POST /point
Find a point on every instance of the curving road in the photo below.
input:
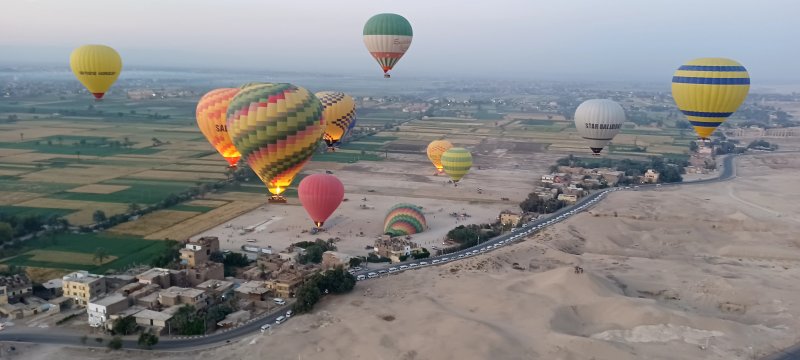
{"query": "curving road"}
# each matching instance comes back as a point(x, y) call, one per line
point(60, 336)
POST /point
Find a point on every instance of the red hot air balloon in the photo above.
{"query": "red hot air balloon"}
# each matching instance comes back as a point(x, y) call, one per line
point(320, 195)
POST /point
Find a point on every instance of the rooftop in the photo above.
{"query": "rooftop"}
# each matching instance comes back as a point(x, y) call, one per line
point(82, 276)
point(109, 300)
point(153, 315)
point(153, 273)
point(179, 291)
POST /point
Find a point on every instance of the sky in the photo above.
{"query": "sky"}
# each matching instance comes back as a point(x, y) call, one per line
point(624, 40)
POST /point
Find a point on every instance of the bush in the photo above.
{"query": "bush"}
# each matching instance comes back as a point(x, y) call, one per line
point(124, 326)
point(354, 261)
point(373, 258)
point(147, 340)
point(421, 254)
point(115, 343)
point(336, 281)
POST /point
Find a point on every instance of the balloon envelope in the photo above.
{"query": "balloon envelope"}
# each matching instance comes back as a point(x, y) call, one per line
point(276, 128)
point(598, 121)
point(708, 91)
point(97, 67)
point(211, 119)
point(404, 219)
point(320, 195)
point(339, 110)
point(387, 37)
point(456, 163)
point(435, 150)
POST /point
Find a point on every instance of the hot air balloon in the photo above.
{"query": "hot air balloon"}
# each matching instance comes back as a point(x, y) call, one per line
point(276, 128)
point(708, 91)
point(320, 195)
point(404, 219)
point(211, 110)
point(97, 67)
point(387, 37)
point(456, 163)
point(435, 150)
point(339, 110)
point(598, 121)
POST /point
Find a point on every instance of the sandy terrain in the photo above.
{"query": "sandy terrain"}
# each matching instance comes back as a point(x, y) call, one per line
point(404, 178)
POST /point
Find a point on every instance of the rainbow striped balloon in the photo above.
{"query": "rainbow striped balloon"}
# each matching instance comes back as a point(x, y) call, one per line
point(404, 219)
point(276, 128)
point(708, 91)
point(339, 110)
point(211, 110)
point(456, 163)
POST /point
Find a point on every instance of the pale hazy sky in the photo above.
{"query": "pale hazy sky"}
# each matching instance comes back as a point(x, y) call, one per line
point(570, 39)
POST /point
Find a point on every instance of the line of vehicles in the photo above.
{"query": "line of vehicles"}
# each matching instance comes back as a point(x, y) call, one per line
point(487, 246)
point(280, 319)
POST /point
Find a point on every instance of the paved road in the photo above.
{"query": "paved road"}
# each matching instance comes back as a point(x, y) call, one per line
point(62, 336)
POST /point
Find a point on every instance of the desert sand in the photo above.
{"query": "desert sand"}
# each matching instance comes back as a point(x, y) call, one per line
point(692, 272)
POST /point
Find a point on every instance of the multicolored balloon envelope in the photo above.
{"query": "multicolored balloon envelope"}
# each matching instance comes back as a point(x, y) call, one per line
point(598, 121)
point(97, 67)
point(320, 195)
point(456, 163)
point(387, 37)
point(708, 91)
point(435, 150)
point(276, 128)
point(339, 110)
point(211, 112)
point(404, 219)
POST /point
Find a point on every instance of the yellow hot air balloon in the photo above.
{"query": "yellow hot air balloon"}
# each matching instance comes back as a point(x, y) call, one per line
point(211, 111)
point(435, 150)
point(339, 112)
point(708, 91)
point(456, 162)
point(97, 67)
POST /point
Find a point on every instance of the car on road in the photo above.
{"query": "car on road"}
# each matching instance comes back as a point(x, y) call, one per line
point(412, 265)
point(392, 269)
point(361, 277)
point(280, 320)
point(288, 313)
point(381, 272)
point(403, 267)
point(351, 271)
point(423, 263)
point(357, 268)
point(372, 275)
point(445, 259)
point(435, 262)
point(265, 327)
point(460, 256)
point(279, 301)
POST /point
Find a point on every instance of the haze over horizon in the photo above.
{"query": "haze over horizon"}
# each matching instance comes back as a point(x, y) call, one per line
point(623, 40)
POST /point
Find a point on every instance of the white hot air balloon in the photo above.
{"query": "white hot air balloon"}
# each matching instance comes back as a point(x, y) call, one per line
point(598, 121)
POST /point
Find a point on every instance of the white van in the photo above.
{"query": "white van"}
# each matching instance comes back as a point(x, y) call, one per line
point(265, 327)
point(360, 277)
point(279, 301)
point(280, 320)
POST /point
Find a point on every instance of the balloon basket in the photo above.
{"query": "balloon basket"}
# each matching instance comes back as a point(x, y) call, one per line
point(386, 76)
point(276, 199)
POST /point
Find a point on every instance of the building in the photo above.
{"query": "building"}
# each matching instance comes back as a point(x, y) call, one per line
point(164, 278)
point(548, 179)
point(333, 259)
point(508, 217)
point(82, 286)
point(252, 291)
point(217, 289)
point(99, 310)
point(394, 248)
point(612, 177)
point(568, 198)
point(14, 287)
point(152, 319)
point(198, 252)
point(183, 296)
point(53, 288)
point(202, 273)
point(650, 177)
point(131, 311)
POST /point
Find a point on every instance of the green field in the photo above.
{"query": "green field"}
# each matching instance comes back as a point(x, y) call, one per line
point(128, 250)
point(140, 192)
point(23, 211)
point(345, 157)
point(69, 145)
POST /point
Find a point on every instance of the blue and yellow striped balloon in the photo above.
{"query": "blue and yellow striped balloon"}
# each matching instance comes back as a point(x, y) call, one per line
point(708, 91)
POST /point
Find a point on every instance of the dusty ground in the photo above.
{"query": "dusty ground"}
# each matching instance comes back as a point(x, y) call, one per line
point(378, 186)
point(698, 272)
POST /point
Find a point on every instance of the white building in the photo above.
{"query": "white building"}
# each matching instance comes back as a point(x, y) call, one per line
point(99, 310)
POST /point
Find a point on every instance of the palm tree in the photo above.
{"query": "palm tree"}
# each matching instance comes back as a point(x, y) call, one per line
point(100, 254)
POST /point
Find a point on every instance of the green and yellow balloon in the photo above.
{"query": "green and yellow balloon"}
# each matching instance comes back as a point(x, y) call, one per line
point(276, 128)
point(708, 91)
point(456, 163)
